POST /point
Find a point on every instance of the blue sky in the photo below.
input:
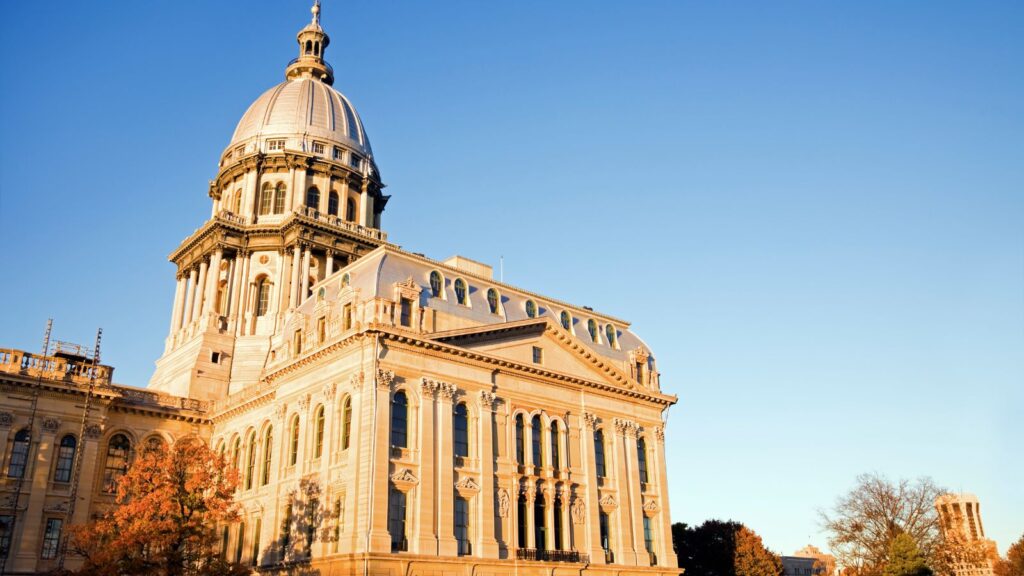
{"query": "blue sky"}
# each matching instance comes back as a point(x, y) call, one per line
point(813, 212)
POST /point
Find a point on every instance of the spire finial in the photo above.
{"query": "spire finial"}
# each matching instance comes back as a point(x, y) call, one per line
point(316, 12)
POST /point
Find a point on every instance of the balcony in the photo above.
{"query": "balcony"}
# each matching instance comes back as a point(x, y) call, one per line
point(336, 222)
point(536, 555)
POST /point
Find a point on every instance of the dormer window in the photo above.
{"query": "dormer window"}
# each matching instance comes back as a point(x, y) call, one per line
point(592, 328)
point(319, 148)
point(435, 284)
point(609, 333)
point(566, 320)
point(531, 309)
point(275, 145)
point(492, 300)
point(460, 291)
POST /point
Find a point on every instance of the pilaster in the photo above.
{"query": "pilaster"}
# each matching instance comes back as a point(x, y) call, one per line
point(426, 542)
point(447, 545)
point(380, 540)
point(592, 518)
point(486, 516)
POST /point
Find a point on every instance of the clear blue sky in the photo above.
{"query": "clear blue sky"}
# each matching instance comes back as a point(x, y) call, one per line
point(812, 211)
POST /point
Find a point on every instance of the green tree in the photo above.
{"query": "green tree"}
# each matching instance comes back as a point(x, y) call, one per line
point(905, 559)
point(1013, 565)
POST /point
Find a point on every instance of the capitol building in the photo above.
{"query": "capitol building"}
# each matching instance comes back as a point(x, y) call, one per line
point(389, 414)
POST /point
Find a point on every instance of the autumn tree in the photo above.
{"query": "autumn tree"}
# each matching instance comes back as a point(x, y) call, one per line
point(169, 503)
point(865, 521)
point(1013, 564)
point(717, 548)
point(905, 559)
point(956, 551)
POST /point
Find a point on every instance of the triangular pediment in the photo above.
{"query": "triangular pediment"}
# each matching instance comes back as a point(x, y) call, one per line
point(561, 352)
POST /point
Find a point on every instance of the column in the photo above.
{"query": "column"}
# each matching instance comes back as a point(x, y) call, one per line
point(364, 209)
point(380, 539)
point(213, 282)
point(294, 286)
point(549, 516)
point(89, 447)
point(200, 290)
point(329, 267)
point(352, 534)
point(666, 554)
point(446, 543)
point(531, 534)
point(592, 497)
point(190, 298)
point(229, 300)
point(429, 438)
point(179, 295)
point(305, 275)
point(488, 545)
point(242, 293)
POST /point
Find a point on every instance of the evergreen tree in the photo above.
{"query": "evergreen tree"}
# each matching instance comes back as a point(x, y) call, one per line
point(905, 559)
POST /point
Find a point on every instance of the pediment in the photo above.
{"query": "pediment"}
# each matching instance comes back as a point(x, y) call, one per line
point(561, 351)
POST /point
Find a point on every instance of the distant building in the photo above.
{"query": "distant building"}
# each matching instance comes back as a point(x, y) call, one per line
point(802, 566)
point(828, 561)
point(960, 518)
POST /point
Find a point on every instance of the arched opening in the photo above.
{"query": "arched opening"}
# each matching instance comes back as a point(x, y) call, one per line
point(520, 440)
point(309, 46)
point(268, 444)
point(293, 449)
point(332, 204)
point(262, 296)
point(435, 284)
point(400, 420)
point(279, 196)
point(65, 459)
point(535, 441)
point(250, 468)
point(492, 300)
point(350, 210)
point(460, 426)
point(19, 454)
point(566, 320)
point(238, 202)
point(318, 432)
point(346, 423)
point(118, 452)
point(641, 459)
point(555, 456)
point(460, 291)
point(313, 198)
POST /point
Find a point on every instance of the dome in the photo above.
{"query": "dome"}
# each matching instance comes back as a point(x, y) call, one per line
point(307, 109)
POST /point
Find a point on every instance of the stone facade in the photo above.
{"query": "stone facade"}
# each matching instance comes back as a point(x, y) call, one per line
point(960, 518)
point(389, 413)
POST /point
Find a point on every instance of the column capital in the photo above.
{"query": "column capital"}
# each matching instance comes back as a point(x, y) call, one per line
point(626, 427)
point(51, 425)
point(488, 399)
point(356, 380)
point(447, 391)
point(659, 433)
point(429, 386)
point(385, 378)
point(590, 420)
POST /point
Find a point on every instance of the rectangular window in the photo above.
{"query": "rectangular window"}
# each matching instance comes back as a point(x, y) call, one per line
point(215, 357)
point(274, 145)
point(319, 148)
point(606, 542)
point(240, 151)
point(6, 524)
point(254, 556)
point(321, 330)
point(338, 154)
point(396, 521)
point(648, 535)
point(462, 526)
point(339, 520)
point(639, 371)
point(240, 544)
point(286, 528)
point(297, 342)
point(538, 355)
point(346, 316)
point(51, 538)
point(406, 312)
point(353, 160)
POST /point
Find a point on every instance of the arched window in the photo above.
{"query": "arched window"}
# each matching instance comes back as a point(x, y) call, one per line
point(460, 291)
point(346, 423)
point(609, 335)
point(154, 444)
point(350, 210)
point(293, 449)
point(641, 459)
point(461, 428)
point(492, 300)
point(65, 459)
point(262, 296)
point(309, 46)
point(250, 466)
point(531, 309)
point(118, 451)
point(19, 454)
point(279, 195)
point(520, 440)
point(535, 428)
point(318, 433)
point(268, 444)
point(266, 199)
point(599, 453)
point(435, 284)
point(400, 420)
point(555, 460)
point(592, 328)
point(332, 204)
point(236, 453)
point(557, 518)
point(313, 198)
point(238, 202)
point(566, 320)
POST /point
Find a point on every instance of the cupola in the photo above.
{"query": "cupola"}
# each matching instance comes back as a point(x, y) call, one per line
point(313, 42)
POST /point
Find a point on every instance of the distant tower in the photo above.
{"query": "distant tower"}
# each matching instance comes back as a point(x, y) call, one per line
point(960, 518)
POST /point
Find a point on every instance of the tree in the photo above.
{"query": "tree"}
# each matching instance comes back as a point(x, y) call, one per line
point(717, 548)
point(956, 553)
point(905, 559)
point(1013, 565)
point(866, 520)
point(169, 503)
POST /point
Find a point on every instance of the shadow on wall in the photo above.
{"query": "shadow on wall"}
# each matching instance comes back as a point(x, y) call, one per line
point(305, 521)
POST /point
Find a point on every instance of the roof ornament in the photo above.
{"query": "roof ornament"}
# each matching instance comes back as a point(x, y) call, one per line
point(316, 12)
